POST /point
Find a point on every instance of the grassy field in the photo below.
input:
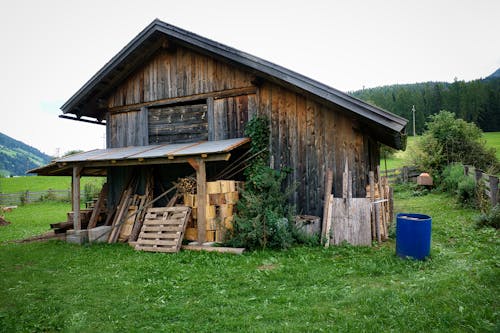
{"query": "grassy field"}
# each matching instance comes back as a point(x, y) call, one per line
point(493, 140)
point(54, 286)
point(42, 183)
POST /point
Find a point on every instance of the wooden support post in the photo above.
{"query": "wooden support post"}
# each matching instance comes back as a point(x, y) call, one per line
point(201, 198)
point(405, 174)
point(75, 186)
point(326, 205)
point(494, 190)
point(372, 197)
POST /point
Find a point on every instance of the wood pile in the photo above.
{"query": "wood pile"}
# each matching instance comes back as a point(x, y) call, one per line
point(130, 212)
point(358, 221)
point(222, 196)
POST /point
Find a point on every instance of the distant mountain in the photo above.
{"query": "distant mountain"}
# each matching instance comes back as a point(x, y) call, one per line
point(17, 157)
point(475, 101)
point(495, 74)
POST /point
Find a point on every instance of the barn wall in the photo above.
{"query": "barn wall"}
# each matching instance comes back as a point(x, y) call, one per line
point(311, 138)
point(306, 136)
point(178, 72)
point(173, 74)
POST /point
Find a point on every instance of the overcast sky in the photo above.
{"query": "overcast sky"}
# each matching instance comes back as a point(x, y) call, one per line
point(49, 49)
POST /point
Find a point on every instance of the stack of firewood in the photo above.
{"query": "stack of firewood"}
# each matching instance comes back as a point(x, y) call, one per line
point(222, 196)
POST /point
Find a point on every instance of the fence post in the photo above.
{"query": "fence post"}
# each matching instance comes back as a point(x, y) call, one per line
point(27, 196)
point(405, 174)
point(466, 170)
point(478, 175)
point(494, 189)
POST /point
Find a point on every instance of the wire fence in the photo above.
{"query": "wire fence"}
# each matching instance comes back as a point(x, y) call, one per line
point(27, 197)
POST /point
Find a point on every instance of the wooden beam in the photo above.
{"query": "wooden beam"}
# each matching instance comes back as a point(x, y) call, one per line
point(201, 199)
point(232, 250)
point(186, 99)
point(81, 119)
point(75, 186)
point(151, 161)
point(192, 162)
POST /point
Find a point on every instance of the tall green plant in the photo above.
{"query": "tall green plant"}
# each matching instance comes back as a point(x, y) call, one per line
point(263, 211)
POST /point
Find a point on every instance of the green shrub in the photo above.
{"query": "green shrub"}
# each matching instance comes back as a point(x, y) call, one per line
point(490, 219)
point(466, 192)
point(451, 176)
point(449, 140)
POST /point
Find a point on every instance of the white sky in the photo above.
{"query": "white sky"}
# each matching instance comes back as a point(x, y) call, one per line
point(50, 48)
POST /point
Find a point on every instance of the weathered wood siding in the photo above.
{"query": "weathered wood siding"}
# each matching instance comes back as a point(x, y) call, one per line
point(311, 138)
point(178, 124)
point(231, 115)
point(306, 136)
point(178, 72)
point(127, 129)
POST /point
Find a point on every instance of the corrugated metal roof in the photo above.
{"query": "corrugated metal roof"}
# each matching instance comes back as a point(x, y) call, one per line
point(96, 161)
point(156, 151)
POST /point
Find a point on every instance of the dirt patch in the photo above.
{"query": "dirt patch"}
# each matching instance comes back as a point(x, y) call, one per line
point(3, 222)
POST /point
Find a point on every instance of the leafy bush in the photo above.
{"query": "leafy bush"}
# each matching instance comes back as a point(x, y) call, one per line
point(451, 176)
point(490, 219)
point(466, 192)
point(450, 140)
point(455, 182)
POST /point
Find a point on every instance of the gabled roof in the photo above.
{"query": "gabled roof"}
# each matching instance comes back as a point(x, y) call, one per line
point(389, 128)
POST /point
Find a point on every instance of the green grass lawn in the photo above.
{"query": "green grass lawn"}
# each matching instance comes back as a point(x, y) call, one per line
point(55, 286)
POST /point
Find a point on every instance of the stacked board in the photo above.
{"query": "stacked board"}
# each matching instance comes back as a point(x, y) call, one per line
point(163, 229)
point(222, 196)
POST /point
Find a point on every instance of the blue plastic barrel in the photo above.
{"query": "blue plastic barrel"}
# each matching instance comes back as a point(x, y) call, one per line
point(413, 235)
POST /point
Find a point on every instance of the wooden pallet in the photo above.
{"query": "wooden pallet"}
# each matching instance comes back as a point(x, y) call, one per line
point(163, 229)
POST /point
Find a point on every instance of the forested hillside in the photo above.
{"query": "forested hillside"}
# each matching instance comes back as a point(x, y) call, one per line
point(16, 157)
point(475, 101)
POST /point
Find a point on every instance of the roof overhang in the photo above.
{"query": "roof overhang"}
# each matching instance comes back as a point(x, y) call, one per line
point(89, 100)
point(96, 162)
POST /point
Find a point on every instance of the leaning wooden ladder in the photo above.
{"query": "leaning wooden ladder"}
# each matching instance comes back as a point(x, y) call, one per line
point(163, 229)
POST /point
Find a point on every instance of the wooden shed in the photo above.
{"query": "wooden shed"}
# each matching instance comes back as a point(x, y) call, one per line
point(178, 102)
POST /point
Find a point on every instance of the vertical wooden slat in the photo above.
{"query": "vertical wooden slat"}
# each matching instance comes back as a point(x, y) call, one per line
point(210, 119)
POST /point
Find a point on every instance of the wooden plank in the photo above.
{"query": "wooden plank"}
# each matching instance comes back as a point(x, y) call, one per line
point(326, 204)
point(372, 198)
point(99, 205)
point(232, 250)
point(149, 248)
point(154, 228)
point(351, 221)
